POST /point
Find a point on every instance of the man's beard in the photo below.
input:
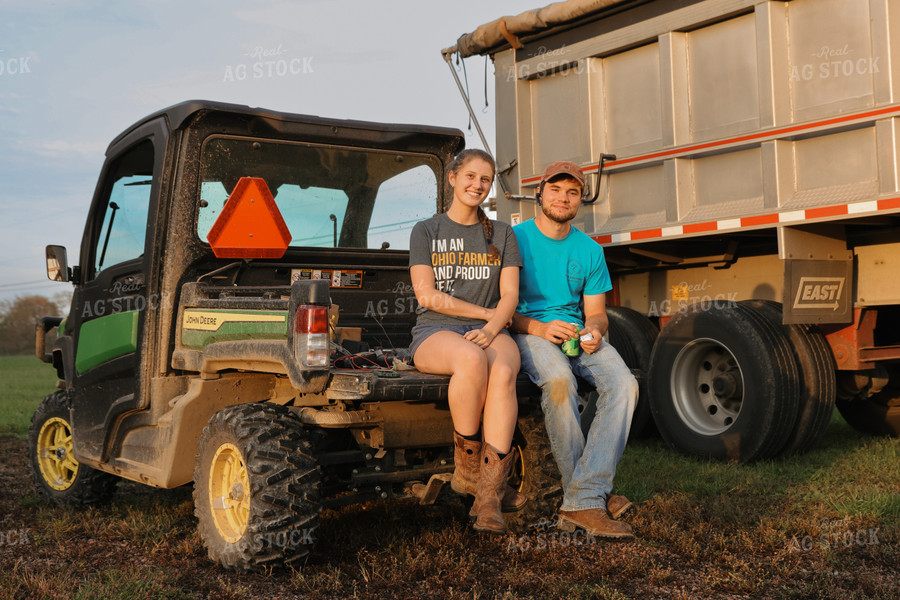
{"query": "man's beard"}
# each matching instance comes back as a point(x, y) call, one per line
point(557, 218)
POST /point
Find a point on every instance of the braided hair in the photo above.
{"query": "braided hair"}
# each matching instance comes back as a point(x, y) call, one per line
point(458, 162)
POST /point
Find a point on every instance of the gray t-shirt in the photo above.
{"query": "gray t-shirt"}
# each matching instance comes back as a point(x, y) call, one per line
point(462, 263)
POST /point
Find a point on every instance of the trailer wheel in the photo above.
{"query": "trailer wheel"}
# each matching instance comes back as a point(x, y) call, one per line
point(723, 383)
point(256, 488)
point(535, 473)
point(58, 476)
point(633, 335)
point(878, 414)
point(817, 378)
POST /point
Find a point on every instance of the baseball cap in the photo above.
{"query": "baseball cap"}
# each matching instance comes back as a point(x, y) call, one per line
point(563, 167)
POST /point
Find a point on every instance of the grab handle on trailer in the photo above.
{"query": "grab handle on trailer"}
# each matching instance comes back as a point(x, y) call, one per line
point(603, 158)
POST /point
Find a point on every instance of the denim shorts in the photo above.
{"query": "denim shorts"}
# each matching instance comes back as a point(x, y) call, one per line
point(421, 332)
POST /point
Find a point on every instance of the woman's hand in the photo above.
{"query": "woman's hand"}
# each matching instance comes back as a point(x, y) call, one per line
point(482, 337)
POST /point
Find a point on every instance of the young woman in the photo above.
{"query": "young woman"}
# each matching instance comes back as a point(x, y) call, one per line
point(465, 272)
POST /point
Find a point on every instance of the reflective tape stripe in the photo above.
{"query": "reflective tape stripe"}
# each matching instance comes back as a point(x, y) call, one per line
point(753, 221)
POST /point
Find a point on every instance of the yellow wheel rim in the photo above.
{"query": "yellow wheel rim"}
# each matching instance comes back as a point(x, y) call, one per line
point(55, 454)
point(517, 473)
point(229, 492)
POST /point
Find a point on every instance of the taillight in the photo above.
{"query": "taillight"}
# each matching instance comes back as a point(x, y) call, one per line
point(311, 340)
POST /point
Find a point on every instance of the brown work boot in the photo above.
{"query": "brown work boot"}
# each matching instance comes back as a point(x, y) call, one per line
point(490, 490)
point(467, 459)
point(617, 506)
point(595, 521)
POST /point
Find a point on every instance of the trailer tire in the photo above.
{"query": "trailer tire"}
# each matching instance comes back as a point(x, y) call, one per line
point(58, 476)
point(817, 378)
point(723, 383)
point(535, 473)
point(256, 488)
point(633, 335)
point(878, 414)
point(870, 416)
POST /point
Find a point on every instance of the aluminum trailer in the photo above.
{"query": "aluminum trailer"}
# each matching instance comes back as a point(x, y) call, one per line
point(751, 210)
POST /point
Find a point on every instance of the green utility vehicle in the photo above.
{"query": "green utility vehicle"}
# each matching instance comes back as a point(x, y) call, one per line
point(242, 304)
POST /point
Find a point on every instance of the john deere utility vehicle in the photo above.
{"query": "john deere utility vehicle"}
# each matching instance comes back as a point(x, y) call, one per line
point(241, 306)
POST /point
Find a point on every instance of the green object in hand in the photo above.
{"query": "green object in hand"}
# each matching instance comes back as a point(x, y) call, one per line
point(572, 346)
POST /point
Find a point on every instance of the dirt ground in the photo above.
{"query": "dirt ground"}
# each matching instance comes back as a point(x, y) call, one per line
point(144, 545)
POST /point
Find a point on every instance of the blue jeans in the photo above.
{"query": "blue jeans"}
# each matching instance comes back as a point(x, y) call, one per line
point(587, 466)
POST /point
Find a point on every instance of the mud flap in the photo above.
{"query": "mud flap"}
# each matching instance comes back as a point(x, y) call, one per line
point(818, 291)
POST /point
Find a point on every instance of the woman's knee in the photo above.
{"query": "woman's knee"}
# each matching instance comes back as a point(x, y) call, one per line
point(504, 374)
point(469, 358)
point(504, 357)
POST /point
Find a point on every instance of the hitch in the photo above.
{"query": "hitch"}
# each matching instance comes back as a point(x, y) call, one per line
point(427, 493)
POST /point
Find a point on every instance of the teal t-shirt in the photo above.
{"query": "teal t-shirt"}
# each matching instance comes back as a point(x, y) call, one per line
point(557, 273)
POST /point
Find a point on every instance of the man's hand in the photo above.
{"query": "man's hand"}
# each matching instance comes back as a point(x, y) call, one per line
point(557, 331)
point(594, 344)
point(596, 321)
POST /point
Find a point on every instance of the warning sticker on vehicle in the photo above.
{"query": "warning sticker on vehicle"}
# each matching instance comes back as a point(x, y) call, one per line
point(680, 292)
point(337, 278)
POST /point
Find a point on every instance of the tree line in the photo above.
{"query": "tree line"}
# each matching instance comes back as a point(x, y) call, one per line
point(18, 317)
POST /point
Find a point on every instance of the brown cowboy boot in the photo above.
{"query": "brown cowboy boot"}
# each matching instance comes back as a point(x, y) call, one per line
point(513, 500)
point(467, 459)
point(490, 490)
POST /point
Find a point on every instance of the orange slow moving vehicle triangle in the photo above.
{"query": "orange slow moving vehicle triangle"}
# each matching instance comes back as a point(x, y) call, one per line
point(250, 225)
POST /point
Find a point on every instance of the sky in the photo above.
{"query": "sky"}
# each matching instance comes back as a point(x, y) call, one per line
point(74, 74)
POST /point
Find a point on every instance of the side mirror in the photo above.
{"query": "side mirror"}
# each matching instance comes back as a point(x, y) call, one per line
point(57, 263)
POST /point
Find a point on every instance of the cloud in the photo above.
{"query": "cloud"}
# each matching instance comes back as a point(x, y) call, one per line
point(96, 67)
point(60, 148)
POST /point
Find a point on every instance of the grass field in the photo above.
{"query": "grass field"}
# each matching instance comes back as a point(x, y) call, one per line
point(24, 381)
point(822, 525)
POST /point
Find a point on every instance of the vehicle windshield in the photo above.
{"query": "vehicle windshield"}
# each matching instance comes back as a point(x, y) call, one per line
point(328, 196)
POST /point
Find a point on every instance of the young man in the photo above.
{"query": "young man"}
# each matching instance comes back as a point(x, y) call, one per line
point(561, 295)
